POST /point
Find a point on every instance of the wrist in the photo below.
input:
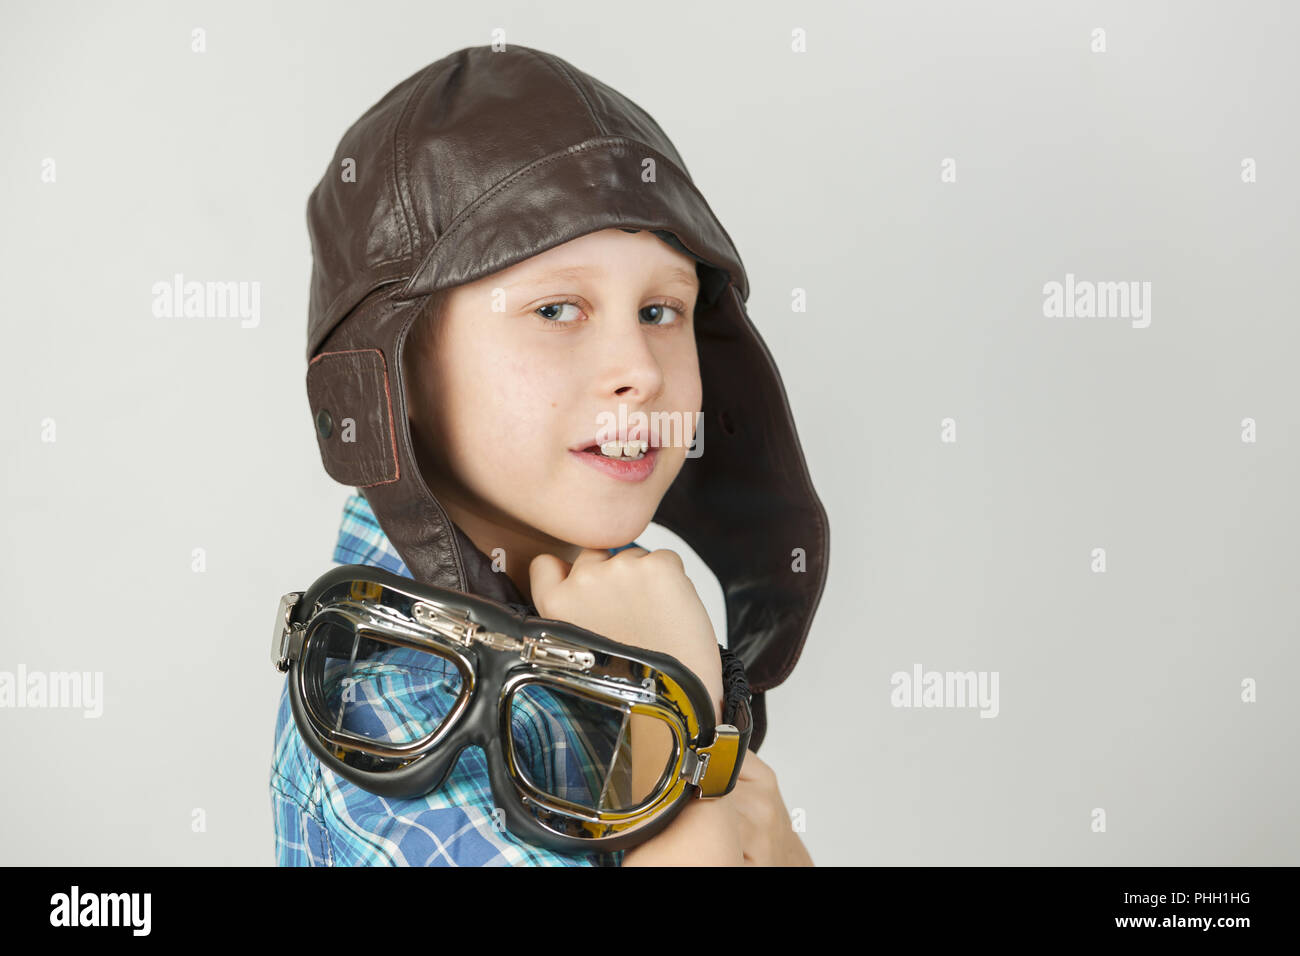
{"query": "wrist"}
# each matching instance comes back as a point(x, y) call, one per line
point(709, 673)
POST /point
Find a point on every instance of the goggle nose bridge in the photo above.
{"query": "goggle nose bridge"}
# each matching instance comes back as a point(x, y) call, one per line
point(454, 624)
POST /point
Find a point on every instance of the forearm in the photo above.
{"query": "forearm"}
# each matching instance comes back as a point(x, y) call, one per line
point(650, 740)
point(704, 833)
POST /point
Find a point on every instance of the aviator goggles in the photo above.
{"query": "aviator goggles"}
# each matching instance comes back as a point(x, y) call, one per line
point(390, 679)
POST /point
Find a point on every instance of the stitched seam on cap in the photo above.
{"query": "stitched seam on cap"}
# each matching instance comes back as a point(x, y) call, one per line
point(327, 327)
point(399, 155)
point(562, 70)
point(520, 174)
point(401, 171)
point(559, 66)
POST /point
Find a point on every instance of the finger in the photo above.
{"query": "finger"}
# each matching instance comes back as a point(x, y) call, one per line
point(545, 572)
point(627, 554)
point(670, 556)
point(591, 556)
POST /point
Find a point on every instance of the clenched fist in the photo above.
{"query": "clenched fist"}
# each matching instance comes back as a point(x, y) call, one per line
point(637, 597)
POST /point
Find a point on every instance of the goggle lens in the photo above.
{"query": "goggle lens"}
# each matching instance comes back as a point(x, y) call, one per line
point(384, 693)
point(571, 748)
point(578, 750)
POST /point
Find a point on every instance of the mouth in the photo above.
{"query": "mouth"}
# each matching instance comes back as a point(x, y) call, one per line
point(634, 443)
point(636, 466)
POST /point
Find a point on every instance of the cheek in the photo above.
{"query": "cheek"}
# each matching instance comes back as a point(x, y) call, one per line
point(527, 397)
point(683, 372)
point(687, 397)
point(503, 411)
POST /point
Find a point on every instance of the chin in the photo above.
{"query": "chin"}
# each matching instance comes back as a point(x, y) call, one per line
point(604, 535)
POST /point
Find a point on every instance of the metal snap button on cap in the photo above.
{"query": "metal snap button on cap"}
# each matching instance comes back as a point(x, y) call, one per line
point(324, 423)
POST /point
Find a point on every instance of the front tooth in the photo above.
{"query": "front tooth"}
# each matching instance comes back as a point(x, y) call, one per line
point(618, 449)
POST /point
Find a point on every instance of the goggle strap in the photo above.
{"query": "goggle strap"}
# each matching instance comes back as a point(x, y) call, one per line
point(720, 762)
point(735, 687)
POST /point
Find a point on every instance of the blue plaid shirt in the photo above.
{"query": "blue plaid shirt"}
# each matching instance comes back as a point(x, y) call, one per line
point(324, 820)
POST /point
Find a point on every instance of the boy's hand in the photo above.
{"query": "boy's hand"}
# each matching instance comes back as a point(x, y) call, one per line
point(766, 834)
point(637, 597)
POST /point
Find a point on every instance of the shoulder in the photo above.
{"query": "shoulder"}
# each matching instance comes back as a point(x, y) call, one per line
point(321, 816)
point(456, 825)
point(324, 820)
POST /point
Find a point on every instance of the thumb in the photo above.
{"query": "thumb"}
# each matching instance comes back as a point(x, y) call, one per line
point(545, 572)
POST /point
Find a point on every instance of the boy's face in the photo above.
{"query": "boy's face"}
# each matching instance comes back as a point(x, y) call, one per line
point(503, 400)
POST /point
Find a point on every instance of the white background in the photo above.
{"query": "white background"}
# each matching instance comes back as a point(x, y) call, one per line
point(1118, 691)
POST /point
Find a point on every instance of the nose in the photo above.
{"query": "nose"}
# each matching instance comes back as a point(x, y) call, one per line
point(629, 365)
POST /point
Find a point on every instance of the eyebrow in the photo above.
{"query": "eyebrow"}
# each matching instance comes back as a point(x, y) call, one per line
point(578, 272)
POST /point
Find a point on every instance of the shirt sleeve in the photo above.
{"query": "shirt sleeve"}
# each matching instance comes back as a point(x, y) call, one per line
point(436, 830)
point(300, 837)
point(322, 819)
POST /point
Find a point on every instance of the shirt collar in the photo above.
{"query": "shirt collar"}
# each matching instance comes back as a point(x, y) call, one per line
point(362, 541)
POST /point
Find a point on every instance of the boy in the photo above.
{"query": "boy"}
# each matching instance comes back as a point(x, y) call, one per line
point(506, 254)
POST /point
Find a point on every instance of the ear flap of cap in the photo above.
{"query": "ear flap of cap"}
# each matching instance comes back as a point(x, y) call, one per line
point(352, 406)
point(748, 507)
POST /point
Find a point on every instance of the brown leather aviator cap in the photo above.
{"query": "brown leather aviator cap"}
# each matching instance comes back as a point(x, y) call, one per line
point(479, 161)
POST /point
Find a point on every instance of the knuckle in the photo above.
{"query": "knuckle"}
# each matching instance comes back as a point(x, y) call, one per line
point(668, 557)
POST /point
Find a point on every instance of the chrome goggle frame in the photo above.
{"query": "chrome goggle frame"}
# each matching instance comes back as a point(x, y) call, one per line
point(494, 647)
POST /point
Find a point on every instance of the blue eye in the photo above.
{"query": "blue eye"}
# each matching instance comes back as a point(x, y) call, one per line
point(661, 308)
point(552, 319)
point(657, 313)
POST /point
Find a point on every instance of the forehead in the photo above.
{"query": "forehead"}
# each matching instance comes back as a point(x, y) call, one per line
point(596, 272)
point(603, 255)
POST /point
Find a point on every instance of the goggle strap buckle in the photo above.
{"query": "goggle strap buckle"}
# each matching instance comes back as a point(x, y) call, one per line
point(695, 767)
point(283, 646)
point(718, 769)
